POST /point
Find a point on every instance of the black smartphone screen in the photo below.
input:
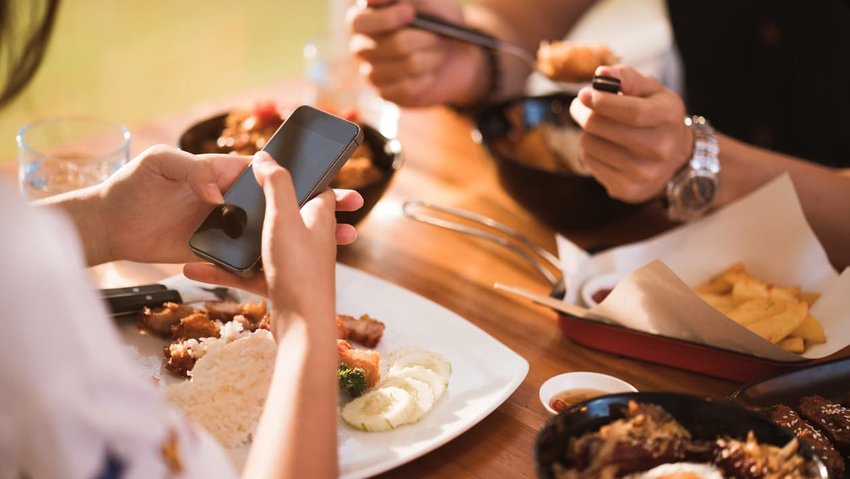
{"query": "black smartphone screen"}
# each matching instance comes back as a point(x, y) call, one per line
point(312, 145)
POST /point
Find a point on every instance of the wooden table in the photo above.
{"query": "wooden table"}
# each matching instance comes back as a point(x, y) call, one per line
point(444, 165)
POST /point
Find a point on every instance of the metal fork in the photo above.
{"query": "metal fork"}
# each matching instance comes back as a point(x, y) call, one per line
point(222, 293)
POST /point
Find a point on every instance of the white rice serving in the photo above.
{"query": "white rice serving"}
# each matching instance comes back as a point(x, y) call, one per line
point(229, 385)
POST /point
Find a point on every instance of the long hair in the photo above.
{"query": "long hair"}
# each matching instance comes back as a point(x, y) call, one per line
point(25, 28)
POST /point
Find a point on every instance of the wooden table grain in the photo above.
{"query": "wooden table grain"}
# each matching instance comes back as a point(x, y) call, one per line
point(443, 164)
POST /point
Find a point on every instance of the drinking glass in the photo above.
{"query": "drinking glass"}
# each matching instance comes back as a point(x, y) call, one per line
point(335, 84)
point(61, 154)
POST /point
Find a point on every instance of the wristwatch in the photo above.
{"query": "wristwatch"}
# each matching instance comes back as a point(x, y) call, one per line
point(692, 189)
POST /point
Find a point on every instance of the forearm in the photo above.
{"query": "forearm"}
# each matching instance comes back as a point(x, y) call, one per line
point(82, 207)
point(297, 433)
point(525, 25)
point(823, 192)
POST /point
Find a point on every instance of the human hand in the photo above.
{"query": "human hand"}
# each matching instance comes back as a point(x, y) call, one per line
point(148, 209)
point(298, 250)
point(408, 66)
point(632, 143)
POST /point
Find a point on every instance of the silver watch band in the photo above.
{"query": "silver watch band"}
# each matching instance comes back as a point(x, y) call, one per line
point(692, 189)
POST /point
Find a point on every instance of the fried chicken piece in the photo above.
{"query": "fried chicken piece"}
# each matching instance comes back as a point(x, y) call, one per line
point(789, 419)
point(368, 361)
point(223, 311)
point(196, 326)
point(255, 311)
point(366, 330)
point(253, 314)
point(160, 320)
point(249, 325)
point(179, 358)
point(570, 62)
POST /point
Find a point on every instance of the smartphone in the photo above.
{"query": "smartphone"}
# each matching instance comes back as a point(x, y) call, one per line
point(313, 146)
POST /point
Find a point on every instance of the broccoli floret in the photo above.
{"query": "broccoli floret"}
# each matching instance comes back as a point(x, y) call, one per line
point(351, 380)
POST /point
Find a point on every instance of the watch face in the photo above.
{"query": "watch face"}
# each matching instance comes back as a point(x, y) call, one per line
point(697, 192)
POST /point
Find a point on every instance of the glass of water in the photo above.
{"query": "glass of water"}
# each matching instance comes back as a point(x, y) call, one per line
point(61, 154)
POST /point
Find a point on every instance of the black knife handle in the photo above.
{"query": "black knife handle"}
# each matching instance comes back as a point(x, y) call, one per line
point(132, 303)
point(145, 288)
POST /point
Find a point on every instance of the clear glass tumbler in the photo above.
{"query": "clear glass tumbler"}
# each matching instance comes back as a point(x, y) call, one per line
point(61, 154)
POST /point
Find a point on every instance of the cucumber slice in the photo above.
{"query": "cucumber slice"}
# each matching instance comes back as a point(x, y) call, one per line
point(419, 357)
point(432, 379)
point(381, 409)
point(421, 392)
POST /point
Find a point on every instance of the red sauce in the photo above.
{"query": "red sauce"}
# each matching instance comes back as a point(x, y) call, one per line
point(567, 398)
point(600, 295)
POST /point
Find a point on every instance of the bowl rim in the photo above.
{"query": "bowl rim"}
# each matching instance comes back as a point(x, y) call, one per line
point(391, 147)
point(581, 380)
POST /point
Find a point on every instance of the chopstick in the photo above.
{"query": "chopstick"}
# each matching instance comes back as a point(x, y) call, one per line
point(543, 300)
point(470, 35)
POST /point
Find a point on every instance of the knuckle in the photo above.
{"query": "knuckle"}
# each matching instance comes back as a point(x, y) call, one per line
point(158, 151)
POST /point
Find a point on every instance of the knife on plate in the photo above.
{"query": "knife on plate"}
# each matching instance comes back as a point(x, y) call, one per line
point(131, 300)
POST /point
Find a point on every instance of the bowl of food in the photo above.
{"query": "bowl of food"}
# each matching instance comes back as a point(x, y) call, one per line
point(562, 391)
point(244, 131)
point(534, 143)
point(669, 435)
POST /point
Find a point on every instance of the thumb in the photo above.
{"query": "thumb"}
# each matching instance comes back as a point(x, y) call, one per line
point(632, 82)
point(276, 182)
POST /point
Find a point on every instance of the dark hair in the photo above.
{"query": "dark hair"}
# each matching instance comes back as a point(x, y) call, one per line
point(23, 41)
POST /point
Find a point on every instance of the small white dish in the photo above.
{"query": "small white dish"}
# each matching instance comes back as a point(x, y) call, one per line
point(603, 383)
point(597, 284)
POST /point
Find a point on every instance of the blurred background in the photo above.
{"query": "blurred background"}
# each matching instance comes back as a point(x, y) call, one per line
point(135, 60)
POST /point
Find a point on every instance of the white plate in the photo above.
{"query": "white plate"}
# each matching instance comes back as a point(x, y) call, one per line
point(484, 372)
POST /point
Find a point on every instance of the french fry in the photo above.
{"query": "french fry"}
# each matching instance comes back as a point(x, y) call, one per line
point(810, 330)
point(748, 311)
point(809, 297)
point(721, 302)
point(795, 344)
point(781, 318)
point(723, 282)
point(780, 314)
point(747, 287)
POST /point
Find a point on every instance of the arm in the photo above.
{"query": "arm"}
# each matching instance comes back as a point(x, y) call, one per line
point(417, 68)
point(296, 436)
point(634, 143)
point(824, 192)
point(149, 208)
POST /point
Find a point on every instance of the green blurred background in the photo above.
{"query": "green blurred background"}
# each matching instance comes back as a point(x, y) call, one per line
point(134, 60)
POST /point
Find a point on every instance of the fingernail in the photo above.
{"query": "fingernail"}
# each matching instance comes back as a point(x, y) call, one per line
point(263, 157)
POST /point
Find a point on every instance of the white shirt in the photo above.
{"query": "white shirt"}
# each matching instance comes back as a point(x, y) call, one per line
point(71, 399)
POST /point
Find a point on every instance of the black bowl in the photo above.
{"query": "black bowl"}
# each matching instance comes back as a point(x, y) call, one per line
point(706, 419)
point(386, 156)
point(562, 199)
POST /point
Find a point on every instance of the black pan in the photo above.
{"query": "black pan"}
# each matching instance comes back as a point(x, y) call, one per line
point(704, 418)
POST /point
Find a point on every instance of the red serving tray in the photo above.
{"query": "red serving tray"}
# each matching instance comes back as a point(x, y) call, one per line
point(708, 360)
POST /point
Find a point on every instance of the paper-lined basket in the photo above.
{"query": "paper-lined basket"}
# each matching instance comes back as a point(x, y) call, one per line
point(766, 231)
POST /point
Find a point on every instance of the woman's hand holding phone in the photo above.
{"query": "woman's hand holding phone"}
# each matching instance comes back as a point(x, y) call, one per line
point(296, 242)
